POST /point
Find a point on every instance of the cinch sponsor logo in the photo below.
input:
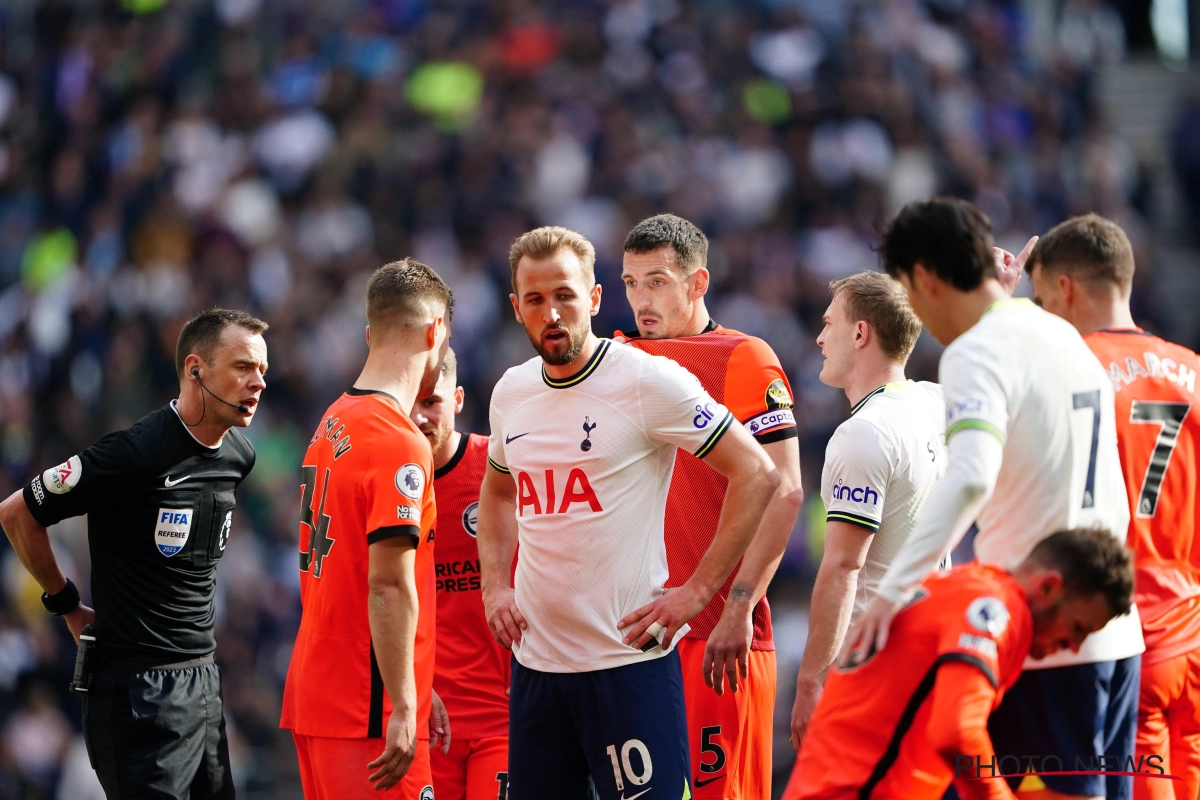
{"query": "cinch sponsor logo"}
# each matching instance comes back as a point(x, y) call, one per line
point(705, 415)
point(975, 768)
point(457, 576)
point(576, 489)
point(855, 494)
point(1155, 367)
point(962, 407)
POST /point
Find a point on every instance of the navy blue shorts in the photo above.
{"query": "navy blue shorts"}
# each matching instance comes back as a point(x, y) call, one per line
point(1077, 713)
point(622, 729)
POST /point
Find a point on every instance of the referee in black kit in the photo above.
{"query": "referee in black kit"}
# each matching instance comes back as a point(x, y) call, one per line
point(159, 499)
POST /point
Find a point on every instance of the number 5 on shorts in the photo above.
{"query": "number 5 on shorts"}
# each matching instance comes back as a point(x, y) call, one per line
point(623, 768)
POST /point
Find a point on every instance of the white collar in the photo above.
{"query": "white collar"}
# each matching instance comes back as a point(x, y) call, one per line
point(187, 428)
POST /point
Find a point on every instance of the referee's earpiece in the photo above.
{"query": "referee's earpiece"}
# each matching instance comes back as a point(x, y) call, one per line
point(196, 374)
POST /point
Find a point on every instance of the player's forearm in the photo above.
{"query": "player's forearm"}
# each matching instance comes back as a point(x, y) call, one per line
point(31, 542)
point(974, 464)
point(392, 610)
point(753, 488)
point(828, 619)
point(770, 541)
point(496, 540)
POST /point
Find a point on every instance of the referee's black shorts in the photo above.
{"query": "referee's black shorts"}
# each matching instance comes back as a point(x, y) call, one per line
point(158, 733)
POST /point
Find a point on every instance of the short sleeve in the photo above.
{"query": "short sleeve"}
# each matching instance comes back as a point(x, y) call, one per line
point(496, 440)
point(982, 634)
point(85, 480)
point(758, 393)
point(974, 392)
point(676, 410)
point(398, 488)
point(858, 468)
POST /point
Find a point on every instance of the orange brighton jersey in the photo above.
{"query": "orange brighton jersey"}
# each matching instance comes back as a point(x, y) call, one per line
point(866, 738)
point(367, 476)
point(472, 667)
point(1158, 434)
point(743, 374)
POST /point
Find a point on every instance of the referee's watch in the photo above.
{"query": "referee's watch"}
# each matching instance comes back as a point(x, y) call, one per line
point(66, 601)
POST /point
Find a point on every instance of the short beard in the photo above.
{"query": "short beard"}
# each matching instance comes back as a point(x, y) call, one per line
point(574, 347)
point(440, 438)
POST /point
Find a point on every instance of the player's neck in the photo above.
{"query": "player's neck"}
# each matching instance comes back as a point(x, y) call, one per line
point(870, 377)
point(558, 372)
point(391, 370)
point(699, 320)
point(965, 309)
point(442, 457)
point(1102, 313)
point(192, 408)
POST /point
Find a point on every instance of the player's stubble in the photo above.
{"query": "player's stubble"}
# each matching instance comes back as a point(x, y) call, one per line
point(558, 344)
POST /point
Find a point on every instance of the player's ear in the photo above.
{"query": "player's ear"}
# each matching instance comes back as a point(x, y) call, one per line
point(1067, 287)
point(368, 333)
point(516, 308)
point(597, 290)
point(862, 334)
point(699, 280)
point(459, 397)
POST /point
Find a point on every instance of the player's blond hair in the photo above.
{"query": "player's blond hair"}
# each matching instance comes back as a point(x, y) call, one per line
point(544, 242)
point(878, 300)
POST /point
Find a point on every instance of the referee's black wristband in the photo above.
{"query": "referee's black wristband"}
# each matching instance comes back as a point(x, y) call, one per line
point(64, 602)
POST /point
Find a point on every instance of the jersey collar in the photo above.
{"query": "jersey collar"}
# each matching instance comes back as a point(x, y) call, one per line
point(445, 469)
point(899, 386)
point(709, 328)
point(1010, 302)
point(210, 448)
point(1130, 331)
point(581, 375)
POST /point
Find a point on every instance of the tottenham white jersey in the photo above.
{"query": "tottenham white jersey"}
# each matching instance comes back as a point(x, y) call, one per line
point(1028, 378)
point(592, 457)
point(881, 466)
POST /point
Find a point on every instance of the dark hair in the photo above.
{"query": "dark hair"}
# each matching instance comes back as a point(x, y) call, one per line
point(400, 292)
point(876, 299)
point(1090, 248)
point(1092, 561)
point(201, 333)
point(668, 230)
point(949, 236)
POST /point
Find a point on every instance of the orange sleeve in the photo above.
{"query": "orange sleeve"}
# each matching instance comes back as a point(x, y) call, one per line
point(396, 486)
point(963, 698)
point(758, 393)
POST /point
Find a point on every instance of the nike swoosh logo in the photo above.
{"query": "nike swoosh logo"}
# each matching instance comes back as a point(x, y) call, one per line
point(699, 783)
point(169, 483)
point(632, 796)
point(510, 440)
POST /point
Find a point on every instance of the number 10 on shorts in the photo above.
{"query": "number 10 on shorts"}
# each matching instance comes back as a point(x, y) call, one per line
point(623, 767)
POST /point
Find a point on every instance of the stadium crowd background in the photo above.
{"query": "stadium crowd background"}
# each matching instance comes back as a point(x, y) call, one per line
point(159, 158)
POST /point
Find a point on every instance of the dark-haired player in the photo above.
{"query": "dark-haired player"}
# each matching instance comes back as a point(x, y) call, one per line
point(359, 694)
point(159, 499)
point(729, 734)
point(473, 670)
point(1082, 270)
point(1032, 448)
point(911, 718)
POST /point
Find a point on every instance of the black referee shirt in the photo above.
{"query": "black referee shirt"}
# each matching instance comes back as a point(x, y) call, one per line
point(159, 505)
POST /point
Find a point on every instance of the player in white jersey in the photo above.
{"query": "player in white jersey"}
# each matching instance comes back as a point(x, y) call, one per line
point(1032, 449)
point(582, 446)
point(880, 464)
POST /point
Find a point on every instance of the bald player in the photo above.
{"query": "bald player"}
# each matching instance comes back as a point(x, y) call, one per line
point(729, 733)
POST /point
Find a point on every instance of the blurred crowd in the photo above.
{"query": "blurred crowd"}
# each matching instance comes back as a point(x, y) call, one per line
point(157, 158)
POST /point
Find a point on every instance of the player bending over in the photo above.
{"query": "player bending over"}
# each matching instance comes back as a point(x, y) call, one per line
point(1082, 270)
point(581, 451)
point(1032, 448)
point(729, 734)
point(473, 670)
point(912, 718)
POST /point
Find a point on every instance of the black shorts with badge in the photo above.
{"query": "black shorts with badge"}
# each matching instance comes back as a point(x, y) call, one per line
point(160, 515)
